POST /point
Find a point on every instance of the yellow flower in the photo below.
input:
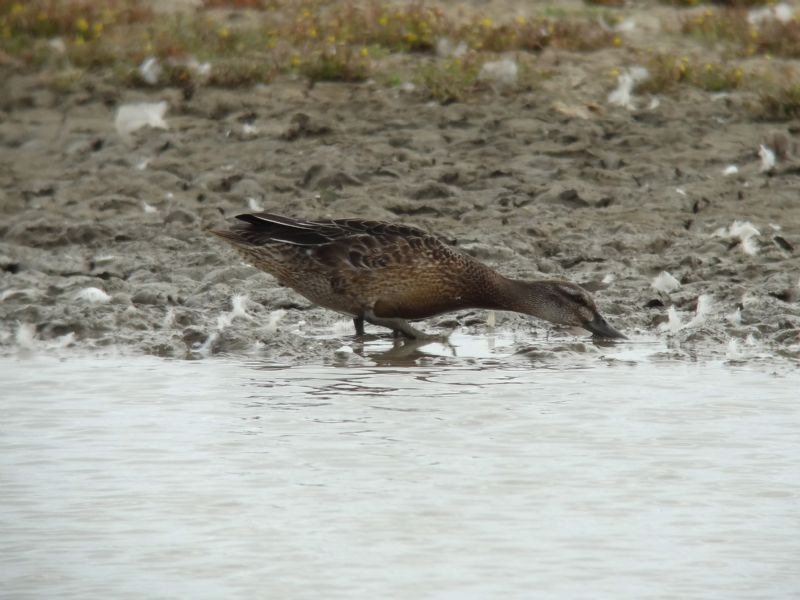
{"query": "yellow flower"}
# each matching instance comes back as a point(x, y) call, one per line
point(383, 21)
point(709, 66)
point(486, 22)
point(224, 32)
point(738, 73)
point(614, 72)
point(296, 61)
point(411, 37)
point(520, 20)
point(16, 8)
point(364, 52)
point(754, 33)
point(79, 41)
point(312, 32)
point(332, 39)
point(98, 29)
point(306, 12)
point(617, 41)
point(82, 24)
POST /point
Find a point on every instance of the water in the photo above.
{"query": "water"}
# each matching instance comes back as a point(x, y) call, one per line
point(483, 475)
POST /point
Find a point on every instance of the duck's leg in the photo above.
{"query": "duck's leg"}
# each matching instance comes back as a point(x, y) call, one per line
point(401, 326)
point(359, 323)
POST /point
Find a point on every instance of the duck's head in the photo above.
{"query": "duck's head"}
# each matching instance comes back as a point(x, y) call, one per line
point(568, 304)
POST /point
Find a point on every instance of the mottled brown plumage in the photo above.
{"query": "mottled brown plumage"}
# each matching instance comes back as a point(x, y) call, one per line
point(387, 274)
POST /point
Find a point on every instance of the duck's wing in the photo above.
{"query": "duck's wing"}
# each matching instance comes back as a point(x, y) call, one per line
point(349, 244)
point(263, 228)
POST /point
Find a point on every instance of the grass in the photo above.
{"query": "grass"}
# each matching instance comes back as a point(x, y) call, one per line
point(769, 36)
point(730, 3)
point(335, 62)
point(350, 41)
point(449, 80)
point(668, 72)
point(779, 102)
point(321, 40)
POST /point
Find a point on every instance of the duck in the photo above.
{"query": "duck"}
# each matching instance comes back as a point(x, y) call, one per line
point(389, 274)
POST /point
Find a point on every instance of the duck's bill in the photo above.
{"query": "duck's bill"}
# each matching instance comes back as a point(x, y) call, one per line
point(600, 328)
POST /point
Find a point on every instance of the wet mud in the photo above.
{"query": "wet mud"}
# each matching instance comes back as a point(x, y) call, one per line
point(103, 239)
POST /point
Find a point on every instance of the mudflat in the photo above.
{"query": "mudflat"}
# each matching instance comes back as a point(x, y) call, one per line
point(103, 236)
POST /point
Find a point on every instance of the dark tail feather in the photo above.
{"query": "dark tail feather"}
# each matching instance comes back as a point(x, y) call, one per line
point(265, 219)
point(265, 228)
point(260, 229)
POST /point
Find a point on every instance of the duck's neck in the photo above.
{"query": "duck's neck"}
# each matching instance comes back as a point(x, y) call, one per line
point(502, 293)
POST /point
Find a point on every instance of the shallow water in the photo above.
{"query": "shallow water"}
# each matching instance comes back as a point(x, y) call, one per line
point(484, 474)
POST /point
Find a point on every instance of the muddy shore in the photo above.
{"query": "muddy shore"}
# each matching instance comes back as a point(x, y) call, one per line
point(607, 197)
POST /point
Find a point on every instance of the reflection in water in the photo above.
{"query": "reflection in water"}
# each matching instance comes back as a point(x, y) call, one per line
point(485, 470)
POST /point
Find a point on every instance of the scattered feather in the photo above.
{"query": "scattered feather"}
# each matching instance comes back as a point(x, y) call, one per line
point(205, 348)
point(626, 25)
point(249, 130)
point(654, 103)
point(238, 310)
point(202, 70)
point(750, 246)
point(681, 191)
point(17, 294)
point(665, 282)
point(608, 278)
point(149, 209)
point(780, 12)
point(735, 318)
point(62, 341)
point(733, 352)
point(25, 336)
point(93, 295)
point(673, 324)
point(626, 81)
point(704, 304)
point(254, 205)
point(150, 71)
point(57, 45)
point(275, 317)
point(169, 318)
point(767, 159)
point(446, 48)
point(576, 110)
point(745, 232)
point(344, 350)
point(621, 96)
point(131, 117)
point(730, 170)
point(501, 72)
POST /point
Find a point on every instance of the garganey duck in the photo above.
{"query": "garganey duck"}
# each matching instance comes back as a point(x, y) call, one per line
point(388, 274)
